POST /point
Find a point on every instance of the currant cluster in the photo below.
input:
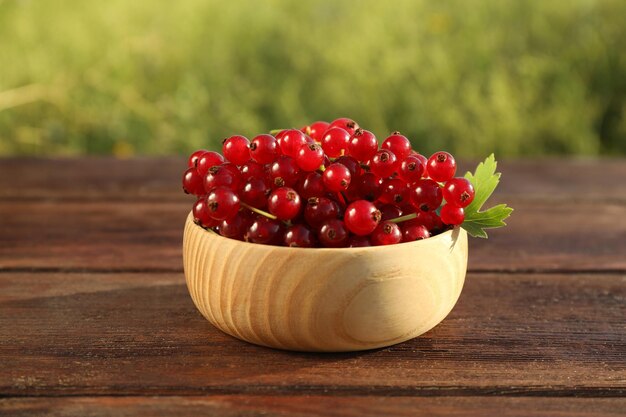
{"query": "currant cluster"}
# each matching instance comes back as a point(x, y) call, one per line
point(327, 184)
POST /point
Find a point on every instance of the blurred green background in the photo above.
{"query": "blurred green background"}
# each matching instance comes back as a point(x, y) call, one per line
point(153, 77)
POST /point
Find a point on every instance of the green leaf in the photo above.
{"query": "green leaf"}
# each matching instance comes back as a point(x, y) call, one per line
point(485, 180)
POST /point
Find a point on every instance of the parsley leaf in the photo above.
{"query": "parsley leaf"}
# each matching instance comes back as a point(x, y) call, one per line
point(485, 180)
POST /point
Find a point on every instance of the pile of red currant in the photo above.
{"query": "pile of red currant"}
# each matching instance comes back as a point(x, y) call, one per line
point(325, 185)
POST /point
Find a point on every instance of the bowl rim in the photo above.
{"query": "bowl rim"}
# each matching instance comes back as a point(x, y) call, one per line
point(215, 235)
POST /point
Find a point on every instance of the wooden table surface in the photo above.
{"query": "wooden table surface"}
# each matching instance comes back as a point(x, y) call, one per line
point(95, 318)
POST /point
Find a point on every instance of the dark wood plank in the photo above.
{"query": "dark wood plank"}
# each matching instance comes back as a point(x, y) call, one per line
point(145, 235)
point(139, 334)
point(309, 406)
point(159, 178)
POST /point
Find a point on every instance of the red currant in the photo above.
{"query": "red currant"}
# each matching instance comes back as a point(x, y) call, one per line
point(413, 231)
point(386, 233)
point(264, 149)
point(284, 172)
point(362, 145)
point(411, 169)
point(300, 236)
point(336, 177)
point(200, 213)
point(424, 162)
point(361, 217)
point(333, 234)
point(236, 149)
point(284, 203)
point(316, 130)
point(235, 227)
point(394, 190)
point(398, 144)
point(310, 157)
point(312, 185)
point(222, 176)
point(389, 211)
point(192, 182)
point(384, 163)
point(223, 203)
point(255, 192)
point(320, 209)
point(359, 242)
point(334, 141)
point(265, 231)
point(459, 192)
point(252, 169)
point(369, 186)
point(430, 220)
point(426, 195)
point(291, 141)
point(208, 160)
point(452, 215)
point(352, 164)
point(441, 166)
point(192, 162)
point(346, 124)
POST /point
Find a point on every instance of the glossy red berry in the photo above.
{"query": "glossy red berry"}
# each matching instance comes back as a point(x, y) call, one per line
point(346, 124)
point(386, 233)
point(235, 227)
point(200, 214)
point(222, 176)
point(430, 220)
point(255, 192)
point(394, 191)
point(312, 185)
point(284, 172)
point(316, 130)
point(310, 157)
point(265, 231)
point(452, 215)
point(208, 160)
point(425, 195)
point(333, 234)
point(359, 242)
point(441, 166)
point(291, 141)
point(264, 149)
point(369, 186)
point(411, 169)
point(389, 211)
point(459, 192)
point(222, 203)
point(398, 144)
point(361, 217)
point(193, 158)
point(300, 236)
point(424, 162)
point(336, 177)
point(334, 141)
point(320, 209)
point(352, 164)
point(362, 145)
point(252, 169)
point(284, 203)
point(412, 232)
point(384, 163)
point(236, 149)
point(192, 182)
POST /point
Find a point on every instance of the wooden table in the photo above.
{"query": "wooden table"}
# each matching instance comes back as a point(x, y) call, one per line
point(95, 318)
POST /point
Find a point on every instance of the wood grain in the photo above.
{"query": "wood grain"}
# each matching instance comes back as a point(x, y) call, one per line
point(325, 300)
point(139, 334)
point(114, 236)
point(310, 406)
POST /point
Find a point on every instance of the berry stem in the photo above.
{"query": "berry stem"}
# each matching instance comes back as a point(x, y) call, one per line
point(276, 131)
point(322, 168)
point(258, 211)
point(404, 218)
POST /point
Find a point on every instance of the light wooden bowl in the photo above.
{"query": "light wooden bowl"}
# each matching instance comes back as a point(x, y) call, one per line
point(324, 299)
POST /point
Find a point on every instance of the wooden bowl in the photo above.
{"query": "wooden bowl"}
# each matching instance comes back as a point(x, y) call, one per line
point(329, 300)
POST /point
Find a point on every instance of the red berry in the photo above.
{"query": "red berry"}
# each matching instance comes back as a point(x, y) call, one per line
point(320, 209)
point(389, 211)
point(333, 234)
point(310, 157)
point(384, 163)
point(459, 192)
point(235, 227)
point(252, 169)
point(201, 216)
point(425, 195)
point(284, 172)
point(316, 130)
point(430, 220)
point(361, 217)
point(386, 233)
point(208, 160)
point(193, 158)
point(452, 215)
point(394, 191)
point(398, 144)
point(413, 231)
point(369, 186)
point(359, 242)
point(192, 182)
point(362, 145)
point(441, 166)
point(336, 177)
point(222, 176)
point(411, 169)
point(265, 231)
point(348, 125)
point(424, 162)
point(352, 164)
point(255, 192)
point(236, 149)
point(291, 141)
point(300, 236)
point(264, 149)
point(284, 203)
point(312, 185)
point(223, 203)
point(334, 141)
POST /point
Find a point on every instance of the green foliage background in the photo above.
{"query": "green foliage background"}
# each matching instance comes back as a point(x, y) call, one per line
point(156, 77)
